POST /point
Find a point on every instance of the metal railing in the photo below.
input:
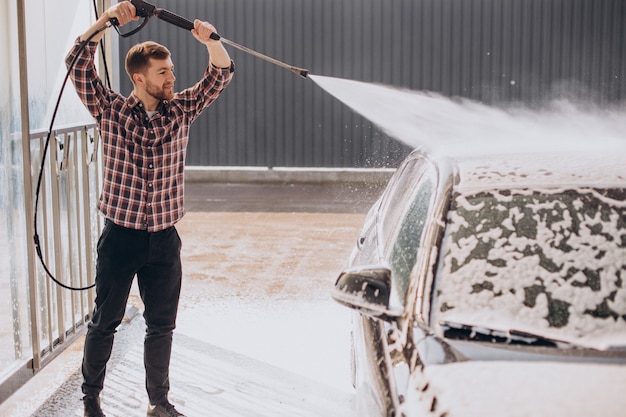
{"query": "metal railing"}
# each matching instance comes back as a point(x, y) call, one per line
point(68, 227)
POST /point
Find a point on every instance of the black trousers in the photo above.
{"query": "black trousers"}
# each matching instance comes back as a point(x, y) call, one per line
point(155, 259)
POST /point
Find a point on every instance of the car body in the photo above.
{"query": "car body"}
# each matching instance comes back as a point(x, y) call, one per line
point(492, 285)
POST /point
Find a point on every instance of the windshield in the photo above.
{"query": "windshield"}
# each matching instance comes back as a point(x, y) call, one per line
point(551, 263)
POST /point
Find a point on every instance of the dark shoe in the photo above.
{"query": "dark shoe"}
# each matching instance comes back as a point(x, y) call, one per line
point(92, 407)
point(163, 410)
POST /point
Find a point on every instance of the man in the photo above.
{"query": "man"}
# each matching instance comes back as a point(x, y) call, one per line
point(144, 141)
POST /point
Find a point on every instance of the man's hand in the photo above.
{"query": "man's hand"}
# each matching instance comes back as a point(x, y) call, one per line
point(217, 54)
point(124, 12)
point(202, 31)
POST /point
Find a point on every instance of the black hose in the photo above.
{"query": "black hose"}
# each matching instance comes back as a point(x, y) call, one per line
point(42, 167)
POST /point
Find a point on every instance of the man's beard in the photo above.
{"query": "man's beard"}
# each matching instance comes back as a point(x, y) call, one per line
point(159, 92)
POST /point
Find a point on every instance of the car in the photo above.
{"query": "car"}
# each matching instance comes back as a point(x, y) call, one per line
point(492, 285)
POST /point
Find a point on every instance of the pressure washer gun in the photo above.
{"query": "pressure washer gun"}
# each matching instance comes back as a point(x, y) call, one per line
point(147, 10)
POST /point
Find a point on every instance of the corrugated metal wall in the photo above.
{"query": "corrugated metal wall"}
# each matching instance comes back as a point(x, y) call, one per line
point(494, 51)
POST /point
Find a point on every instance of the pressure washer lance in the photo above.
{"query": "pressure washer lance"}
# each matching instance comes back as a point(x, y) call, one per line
point(146, 10)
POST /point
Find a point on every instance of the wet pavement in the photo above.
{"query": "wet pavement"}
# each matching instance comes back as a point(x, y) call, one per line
point(257, 333)
point(333, 197)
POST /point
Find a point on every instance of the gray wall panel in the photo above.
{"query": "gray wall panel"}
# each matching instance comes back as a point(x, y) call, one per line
point(493, 51)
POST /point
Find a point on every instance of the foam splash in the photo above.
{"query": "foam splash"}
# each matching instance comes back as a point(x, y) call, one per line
point(463, 127)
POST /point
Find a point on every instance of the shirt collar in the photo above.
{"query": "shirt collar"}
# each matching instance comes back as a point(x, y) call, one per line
point(163, 108)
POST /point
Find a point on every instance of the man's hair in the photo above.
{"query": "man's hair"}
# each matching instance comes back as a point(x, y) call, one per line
point(138, 57)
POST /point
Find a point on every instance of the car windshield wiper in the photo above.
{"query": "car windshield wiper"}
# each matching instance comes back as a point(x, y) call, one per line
point(465, 331)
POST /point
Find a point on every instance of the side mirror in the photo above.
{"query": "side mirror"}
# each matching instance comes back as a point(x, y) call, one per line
point(367, 290)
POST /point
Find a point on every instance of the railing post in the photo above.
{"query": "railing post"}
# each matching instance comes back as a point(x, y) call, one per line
point(28, 186)
point(56, 233)
point(89, 257)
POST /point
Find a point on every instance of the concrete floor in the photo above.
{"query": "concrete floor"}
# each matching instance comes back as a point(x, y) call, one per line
point(258, 334)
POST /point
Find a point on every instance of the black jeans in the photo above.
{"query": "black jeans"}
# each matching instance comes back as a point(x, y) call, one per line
point(155, 259)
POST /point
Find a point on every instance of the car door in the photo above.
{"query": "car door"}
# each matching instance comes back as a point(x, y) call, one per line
point(405, 257)
point(400, 222)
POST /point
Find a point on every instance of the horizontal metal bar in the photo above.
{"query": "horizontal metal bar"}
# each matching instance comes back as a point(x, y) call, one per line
point(38, 134)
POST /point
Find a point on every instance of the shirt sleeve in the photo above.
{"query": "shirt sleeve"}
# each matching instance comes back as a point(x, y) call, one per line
point(87, 83)
point(194, 100)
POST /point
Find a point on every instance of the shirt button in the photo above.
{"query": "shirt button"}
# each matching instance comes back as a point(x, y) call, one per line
point(150, 166)
point(150, 185)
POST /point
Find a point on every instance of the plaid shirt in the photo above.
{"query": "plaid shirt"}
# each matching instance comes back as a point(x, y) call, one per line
point(144, 158)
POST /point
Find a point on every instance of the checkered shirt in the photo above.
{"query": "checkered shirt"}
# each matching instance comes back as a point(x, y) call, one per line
point(143, 158)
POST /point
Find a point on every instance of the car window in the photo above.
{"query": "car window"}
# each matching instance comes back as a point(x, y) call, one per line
point(546, 261)
point(398, 196)
point(405, 232)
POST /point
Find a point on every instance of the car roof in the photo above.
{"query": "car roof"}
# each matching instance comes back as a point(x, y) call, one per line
point(599, 169)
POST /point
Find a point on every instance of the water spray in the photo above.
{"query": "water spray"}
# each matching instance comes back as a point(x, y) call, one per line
point(147, 10)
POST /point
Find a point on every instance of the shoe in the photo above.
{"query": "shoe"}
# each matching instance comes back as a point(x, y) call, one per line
point(163, 410)
point(92, 407)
